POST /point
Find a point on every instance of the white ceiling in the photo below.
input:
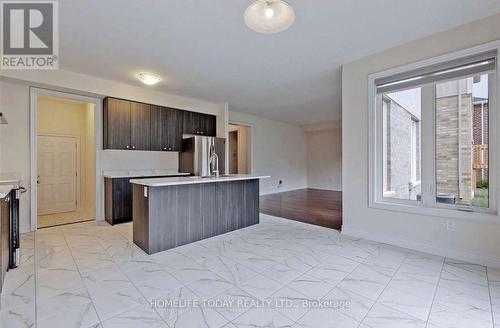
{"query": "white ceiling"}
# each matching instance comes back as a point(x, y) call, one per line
point(203, 49)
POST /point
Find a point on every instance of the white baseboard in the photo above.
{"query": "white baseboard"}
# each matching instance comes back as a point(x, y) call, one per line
point(280, 189)
point(431, 248)
point(329, 189)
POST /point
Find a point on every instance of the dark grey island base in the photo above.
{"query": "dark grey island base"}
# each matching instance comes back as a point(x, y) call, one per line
point(171, 215)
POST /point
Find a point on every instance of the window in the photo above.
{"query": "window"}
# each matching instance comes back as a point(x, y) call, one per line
point(431, 129)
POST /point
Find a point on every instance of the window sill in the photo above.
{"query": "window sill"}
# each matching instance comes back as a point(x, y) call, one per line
point(437, 212)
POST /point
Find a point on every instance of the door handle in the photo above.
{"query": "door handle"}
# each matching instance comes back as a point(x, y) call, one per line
point(37, 179)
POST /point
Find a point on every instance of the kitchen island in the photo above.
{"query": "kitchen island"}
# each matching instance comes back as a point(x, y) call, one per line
point(170, 212)
point(118, 191)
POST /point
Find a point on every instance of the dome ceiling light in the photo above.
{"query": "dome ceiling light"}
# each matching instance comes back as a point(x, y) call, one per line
point(269, 16)
point(148, 78)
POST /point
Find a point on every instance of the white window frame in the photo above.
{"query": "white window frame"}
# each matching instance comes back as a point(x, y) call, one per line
point(414, 159)
point(428, 205)
point(386, 184)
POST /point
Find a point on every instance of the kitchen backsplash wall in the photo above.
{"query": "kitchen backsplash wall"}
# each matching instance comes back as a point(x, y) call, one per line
point(138, 160)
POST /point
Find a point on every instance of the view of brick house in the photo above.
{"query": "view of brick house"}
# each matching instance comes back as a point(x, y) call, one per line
point(480, 137)
point(461, 139)
point(401, 112)
point(461, 142)
point(454, 139)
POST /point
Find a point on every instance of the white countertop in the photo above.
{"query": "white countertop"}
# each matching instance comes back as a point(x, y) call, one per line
point(139, 173)
point(162, 182)
point(4, 190)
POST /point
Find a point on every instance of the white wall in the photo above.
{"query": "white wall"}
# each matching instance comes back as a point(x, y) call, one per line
point(278, 150)
point(15, 140)
point(15, 136)
point(324, 156)
point(474, 241)
point(90, 169)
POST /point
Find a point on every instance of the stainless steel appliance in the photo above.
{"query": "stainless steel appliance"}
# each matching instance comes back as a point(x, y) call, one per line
point(203, 156)
point(14, 251)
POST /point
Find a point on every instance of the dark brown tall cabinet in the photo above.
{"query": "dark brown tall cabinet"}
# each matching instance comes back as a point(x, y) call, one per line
point(131, 125)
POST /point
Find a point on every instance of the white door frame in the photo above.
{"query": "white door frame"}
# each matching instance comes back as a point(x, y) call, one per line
point(250, 140)
point(99, 198)
point(78, 160)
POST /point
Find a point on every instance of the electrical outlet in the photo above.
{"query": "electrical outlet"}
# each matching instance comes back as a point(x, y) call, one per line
point(450, 225)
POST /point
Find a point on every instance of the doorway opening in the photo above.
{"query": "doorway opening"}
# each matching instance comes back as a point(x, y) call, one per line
point(65, 161)
point(239, 137)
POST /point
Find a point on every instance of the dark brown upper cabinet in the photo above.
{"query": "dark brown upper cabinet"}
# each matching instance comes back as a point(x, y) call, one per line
point(199, 124)
point(116, 124)
point(210, 125)
point(191, 124)
point(138, 126)
point(166, 129)
point(175, 119)
point(127, 125)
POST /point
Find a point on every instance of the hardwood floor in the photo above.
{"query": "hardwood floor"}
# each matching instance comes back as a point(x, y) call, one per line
point(315, 206)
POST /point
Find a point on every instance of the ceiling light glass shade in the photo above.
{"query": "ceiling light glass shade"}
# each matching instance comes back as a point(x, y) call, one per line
point(148, 78)
point(269, 16)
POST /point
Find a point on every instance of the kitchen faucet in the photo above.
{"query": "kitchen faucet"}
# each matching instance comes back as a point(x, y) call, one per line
point(213, 162)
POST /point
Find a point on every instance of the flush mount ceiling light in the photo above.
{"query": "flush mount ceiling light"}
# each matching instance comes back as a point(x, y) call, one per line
point(269, 16)
point(148, 78)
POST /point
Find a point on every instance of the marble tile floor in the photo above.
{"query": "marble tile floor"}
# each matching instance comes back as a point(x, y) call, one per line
point(279, 273)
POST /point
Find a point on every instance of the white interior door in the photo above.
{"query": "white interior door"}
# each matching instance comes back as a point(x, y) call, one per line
point(57, 174)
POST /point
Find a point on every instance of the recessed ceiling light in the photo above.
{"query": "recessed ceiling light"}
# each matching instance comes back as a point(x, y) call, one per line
point(269, 16)
point(148, 78)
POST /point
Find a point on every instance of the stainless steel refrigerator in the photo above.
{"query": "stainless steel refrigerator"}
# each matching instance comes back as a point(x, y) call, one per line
point(196, 153)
